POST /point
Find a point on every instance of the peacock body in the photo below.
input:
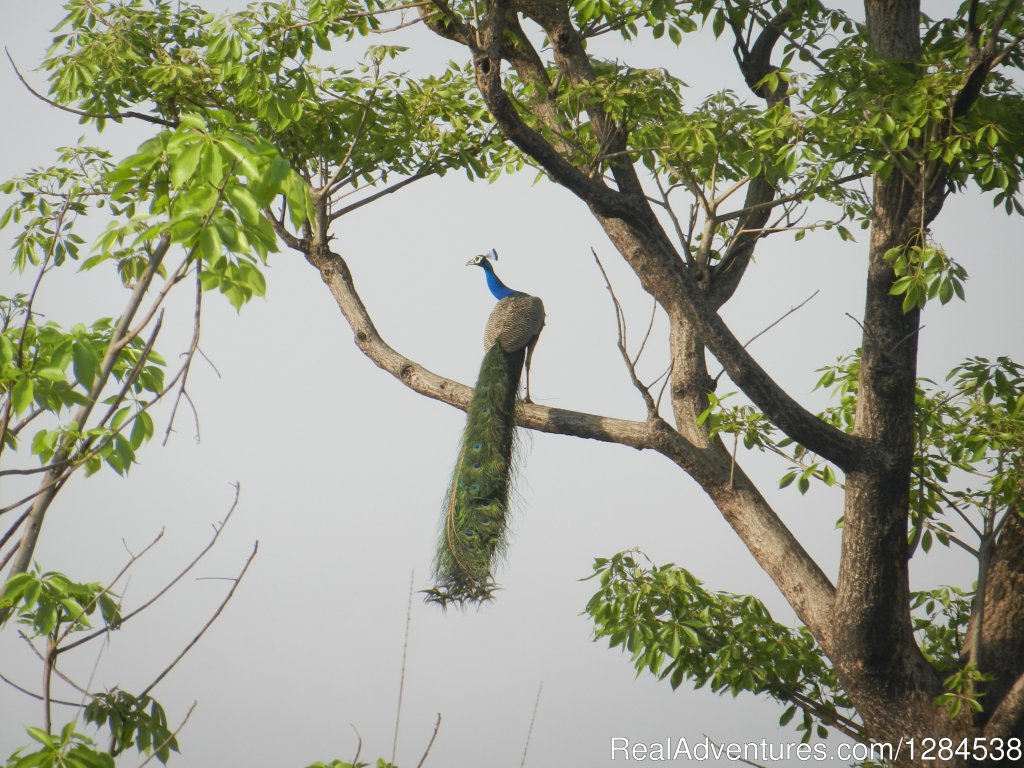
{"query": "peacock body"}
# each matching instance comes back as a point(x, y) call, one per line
point(477, 508)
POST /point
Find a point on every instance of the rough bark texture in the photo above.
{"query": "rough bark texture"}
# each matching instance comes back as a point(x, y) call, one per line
point(1002, 641)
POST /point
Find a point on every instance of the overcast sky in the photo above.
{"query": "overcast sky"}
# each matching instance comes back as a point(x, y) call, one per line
point(343, 470)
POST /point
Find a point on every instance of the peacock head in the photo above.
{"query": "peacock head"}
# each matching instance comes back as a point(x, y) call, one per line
point(482, 260)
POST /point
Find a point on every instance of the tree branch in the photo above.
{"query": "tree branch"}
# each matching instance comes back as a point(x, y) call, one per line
point(1008, 717)
point(206, 626)
point(794, 571)
point(338, 279)
point(53, 479)
point(95, 116)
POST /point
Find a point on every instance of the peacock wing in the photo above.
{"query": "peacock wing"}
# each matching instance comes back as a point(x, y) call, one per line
point(515, 321)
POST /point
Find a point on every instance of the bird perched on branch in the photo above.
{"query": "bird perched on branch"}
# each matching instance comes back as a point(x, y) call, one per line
point(475, 519)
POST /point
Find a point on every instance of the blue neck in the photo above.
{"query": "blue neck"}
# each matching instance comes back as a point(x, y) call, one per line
point(498, 288)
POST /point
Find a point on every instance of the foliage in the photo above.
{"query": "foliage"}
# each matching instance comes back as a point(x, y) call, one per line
point(58, 609)
point(48, 601)
point(968, 468)
point(248, 129)
point(137, 722)
point(67, 749)
point(940, 619)
point(674, 628)
point(257, 142)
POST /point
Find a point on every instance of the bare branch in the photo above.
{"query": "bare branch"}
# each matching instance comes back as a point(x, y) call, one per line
point(206, 626)
point(217, 529)
point(190, 354)
point(772, 324)
point(134, 558)
point(381, 193)
point(620, 318)
point(81, 689)
point(36, 696)
point(11, 531)
point(338, 278)
point(401, 679)
point(533, 718)
point(796, 196)
point(437, 726)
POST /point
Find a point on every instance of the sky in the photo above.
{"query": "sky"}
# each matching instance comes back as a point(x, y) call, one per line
point(342, 472)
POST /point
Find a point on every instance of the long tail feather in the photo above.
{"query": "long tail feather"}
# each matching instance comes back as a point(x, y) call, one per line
point(476, 514)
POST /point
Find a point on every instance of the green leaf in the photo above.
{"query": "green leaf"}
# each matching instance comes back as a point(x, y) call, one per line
point(84, 364)
point(718, 23)
point(21, 397)
point(242, 200)
point(183, 167)
point(209, 246)
point(38, 734)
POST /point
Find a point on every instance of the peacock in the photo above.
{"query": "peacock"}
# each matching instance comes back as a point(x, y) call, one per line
point(476, 512)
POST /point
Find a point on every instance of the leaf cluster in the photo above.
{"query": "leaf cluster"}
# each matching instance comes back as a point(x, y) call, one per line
point(67, 749)
point(51, 603)
point(940, 617)
point(674, 628)
point(135, 722)
point(259, 65)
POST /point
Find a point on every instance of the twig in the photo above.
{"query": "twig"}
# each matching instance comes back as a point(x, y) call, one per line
point(783, 200)
point(10, 531)
point(783, 317)
point(664, 384)
point(93, 115)
point(81, 689)
point(359, 744)
point(683, 241)
point(357, 134)
point(401, 679)
point(956, 540)
point(170, 738)
point(7, 558)
point(36, 696)
point(189, 355)
point(377, 195)
point(172, 582)
point(86, 608)
point(765, 330)
point(433, 736)
point(533, 718)
point(645, 393)
point(206, 626)
point(647, 333)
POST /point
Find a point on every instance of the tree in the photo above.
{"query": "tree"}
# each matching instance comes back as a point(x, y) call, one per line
point(872, 124)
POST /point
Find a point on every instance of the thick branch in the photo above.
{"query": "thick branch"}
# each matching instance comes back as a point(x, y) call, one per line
point(800, 579)
point(604, 200)
point(1008, 718)
point(338, 278)
point(878, 662)
point(574, 64)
